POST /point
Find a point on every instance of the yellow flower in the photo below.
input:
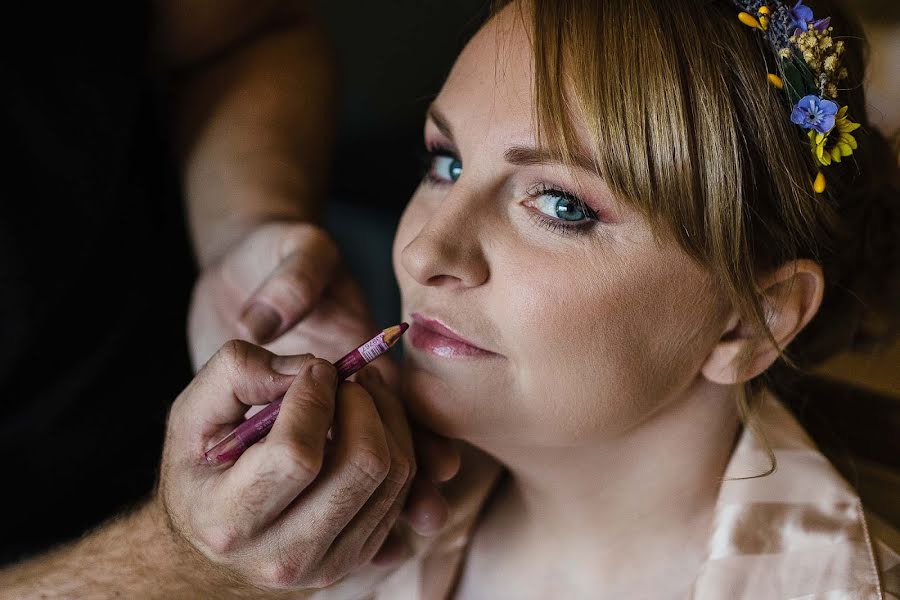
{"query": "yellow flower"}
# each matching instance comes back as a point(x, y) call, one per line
point(837, 143)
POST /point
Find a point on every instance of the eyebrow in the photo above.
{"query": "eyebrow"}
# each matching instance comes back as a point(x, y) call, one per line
point(522, 156)
point(440, 121)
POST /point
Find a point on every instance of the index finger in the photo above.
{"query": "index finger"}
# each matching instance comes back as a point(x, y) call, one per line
point(271, 474)
point(237, 377)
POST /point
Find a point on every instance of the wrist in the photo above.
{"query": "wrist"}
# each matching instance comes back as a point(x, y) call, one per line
point(176, 559)
point(135, 555)
point(168, 554)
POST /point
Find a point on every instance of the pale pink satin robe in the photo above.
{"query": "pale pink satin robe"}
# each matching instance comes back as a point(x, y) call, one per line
point(799, 533)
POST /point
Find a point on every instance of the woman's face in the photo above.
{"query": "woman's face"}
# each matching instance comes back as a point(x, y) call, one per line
point(576, 323)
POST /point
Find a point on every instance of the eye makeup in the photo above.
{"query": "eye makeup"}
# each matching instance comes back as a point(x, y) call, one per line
point(588, 219)
point(432, 164)
point(429, 160)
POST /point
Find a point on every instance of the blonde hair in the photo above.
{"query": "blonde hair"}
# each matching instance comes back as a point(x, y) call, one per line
point(686, 129)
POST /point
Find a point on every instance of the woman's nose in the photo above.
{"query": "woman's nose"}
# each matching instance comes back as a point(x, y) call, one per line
point(447, 251)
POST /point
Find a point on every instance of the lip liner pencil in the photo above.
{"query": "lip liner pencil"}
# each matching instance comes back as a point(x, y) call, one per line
point(256, 427)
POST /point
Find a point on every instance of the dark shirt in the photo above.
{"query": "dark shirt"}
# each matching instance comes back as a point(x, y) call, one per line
point(94, 271)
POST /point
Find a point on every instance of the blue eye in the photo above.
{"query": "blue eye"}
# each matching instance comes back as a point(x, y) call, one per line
point(562, 206)
point(444, 168)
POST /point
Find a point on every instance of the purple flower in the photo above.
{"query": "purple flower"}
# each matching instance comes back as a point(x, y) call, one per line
point(801, 15)
point(822, 24)
point(816, 113)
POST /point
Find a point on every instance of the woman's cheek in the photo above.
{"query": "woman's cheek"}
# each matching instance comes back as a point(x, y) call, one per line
point(579, 346)
point(549, 346)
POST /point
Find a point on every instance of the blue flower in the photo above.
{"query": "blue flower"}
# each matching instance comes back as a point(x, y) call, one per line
point(816, 113)
point(822, 24)
point(801, 15)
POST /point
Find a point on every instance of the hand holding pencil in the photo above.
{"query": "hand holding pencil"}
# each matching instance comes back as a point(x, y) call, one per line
point(257, 426)
point(249, 518)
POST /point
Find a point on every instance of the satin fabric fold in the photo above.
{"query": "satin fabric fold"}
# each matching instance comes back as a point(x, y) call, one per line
point(800, 533)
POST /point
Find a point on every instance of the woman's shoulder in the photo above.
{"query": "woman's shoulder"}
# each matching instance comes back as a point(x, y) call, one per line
point(798, 531)
point(853, 428)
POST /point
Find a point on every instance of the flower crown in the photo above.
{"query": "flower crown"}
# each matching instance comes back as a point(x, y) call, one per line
point(810, 70)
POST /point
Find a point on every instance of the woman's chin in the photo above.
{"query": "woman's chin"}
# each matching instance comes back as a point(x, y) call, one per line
point(439, 405)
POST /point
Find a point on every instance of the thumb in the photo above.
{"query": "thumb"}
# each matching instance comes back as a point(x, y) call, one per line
point(292, 290)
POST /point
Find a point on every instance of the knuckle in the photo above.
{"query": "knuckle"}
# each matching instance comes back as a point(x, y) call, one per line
point(330, 574)
point(371, 463)
point(298, 287)
point(296, 236)
point(402, 470)
point(221, 540)
point(317, 237)
point(309, 400)
point(234, 355)
point(298, 460)
point(375, 541)
point(282, 574)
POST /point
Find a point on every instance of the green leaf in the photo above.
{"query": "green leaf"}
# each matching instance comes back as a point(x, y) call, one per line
point(798, 78)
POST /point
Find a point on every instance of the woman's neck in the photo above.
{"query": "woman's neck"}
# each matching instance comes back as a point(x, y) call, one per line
point(632, 510)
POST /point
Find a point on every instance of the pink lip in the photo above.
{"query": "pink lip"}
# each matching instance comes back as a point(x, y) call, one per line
point(435, 337)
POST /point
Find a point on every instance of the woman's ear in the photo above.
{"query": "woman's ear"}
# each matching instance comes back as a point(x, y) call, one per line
point(791, 296)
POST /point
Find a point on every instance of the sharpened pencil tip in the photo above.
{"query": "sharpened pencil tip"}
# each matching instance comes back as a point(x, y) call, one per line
point(392, 334)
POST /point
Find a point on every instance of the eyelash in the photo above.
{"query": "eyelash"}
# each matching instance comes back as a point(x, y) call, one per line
point(427, 160)
point(557, 225)
point(554, 225)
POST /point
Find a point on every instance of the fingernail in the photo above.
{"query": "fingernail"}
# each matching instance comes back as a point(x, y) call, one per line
point(324, 373)
point(428, 523)
point(262, 321)
point(426, 526)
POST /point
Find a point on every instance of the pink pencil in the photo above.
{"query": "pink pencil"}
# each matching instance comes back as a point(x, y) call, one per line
point(256, 427)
